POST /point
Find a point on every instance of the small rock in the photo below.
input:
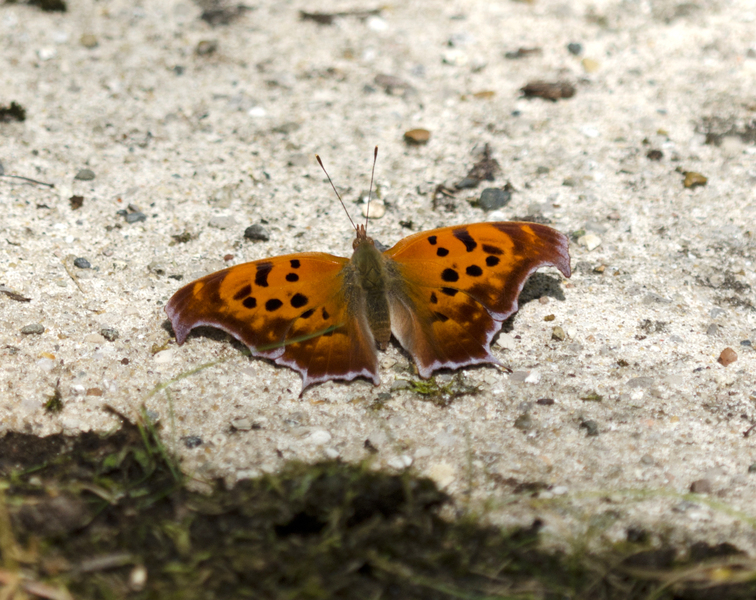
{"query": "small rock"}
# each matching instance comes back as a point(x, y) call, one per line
point(417, 137)
point(76, 202)
point(575, 48)
point(443, 474)
point(558, 334)
point(590, 65)
point(109, 333)
point(701, 486)
point(505, 341)
point(85, 175)
point(525, 422)
point(94, 338)
point(455, 56)
point(727, 357)
point(256, 233)
point(647, 460)
point(654, 155)
point(752, 468)
point(545, 401)
point(165, 356)
point(138, 578)
point(222, 222)
point(46, 364)
point(135, 217)
point(206, 47)
point(242, 424)
point(548, 90)
point(467, 183)
point(33, 329)
point(374, 210)
point(712, 330)
point(693, 179)
point(494, 198)
point(82, 263)
point(192, 441)
point(590, 426)
point(319, 437)
point(257, 112)
point(400, 462)
point(590, 241)
point(392, 85)
point(88, 40)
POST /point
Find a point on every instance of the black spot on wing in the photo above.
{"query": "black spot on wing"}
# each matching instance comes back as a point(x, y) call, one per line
point(449, 275)
point(451, 292)
point(464, 236)
point(250, 302)
point(243, 292)
point(489, 249)
point(294, 262)
point(440, 317)
point(432, 240)
point(308, 313)
point(434, 298)
point(474, 271)
point(325, 314)
point(273, 305)
point(492, 261)
point(263, 269)
point(442, 252)
point(299, 300)
point(292, 277)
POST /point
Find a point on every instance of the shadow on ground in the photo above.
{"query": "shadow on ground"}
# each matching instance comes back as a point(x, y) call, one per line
point(111, 517)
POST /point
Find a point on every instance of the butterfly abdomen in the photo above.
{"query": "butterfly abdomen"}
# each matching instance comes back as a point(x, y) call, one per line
point(369, 283)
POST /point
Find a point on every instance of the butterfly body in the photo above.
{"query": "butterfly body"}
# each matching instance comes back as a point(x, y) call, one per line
point(443, 294)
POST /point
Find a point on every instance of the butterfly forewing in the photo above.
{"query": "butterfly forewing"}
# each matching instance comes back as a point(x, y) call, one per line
point(453, 287)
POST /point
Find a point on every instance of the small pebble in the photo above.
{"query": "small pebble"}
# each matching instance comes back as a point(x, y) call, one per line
point(548, 90)
point(693, 179)
point(375, 210)
point(545, 401)
point(654, 155)
point(82, 263)
point(494, 198)
point(88, 40)
point(85, 175)
point(558, 334)
point(525, 422)
point(590, 241)
point(701, 486)
point(319, 437)
point(135, 217)
point(222, 222)
point(712, 330)
point(417, 137)
point(591, 427)
point(138, 578)
point(192, 441)
point(206, 47)
point(109, 333)
point(727, 357)
point(505, 341)
point(640, 382)
point(94, 338)
point(242, 424)
point(752, 468)
point(548, 318)
point(590, 65)
point(256, 233)
point(34, 328)
point(575, 48)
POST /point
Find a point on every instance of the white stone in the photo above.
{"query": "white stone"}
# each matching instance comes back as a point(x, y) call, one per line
point(400, 462)
point(442, 473)
point(533, 377)
point(257, 112)
point(46, 364)
point(505, 341)
point(376, 24)
point(376, 208)
point(165, 356)
point(590, 241)
point(319, 437)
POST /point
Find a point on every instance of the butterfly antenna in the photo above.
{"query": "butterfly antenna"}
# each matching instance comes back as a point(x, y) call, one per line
point(320, 162)
point(370, 192)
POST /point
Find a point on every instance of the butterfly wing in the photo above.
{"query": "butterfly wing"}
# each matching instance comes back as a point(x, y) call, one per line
point(290, 309)
point(451, 288)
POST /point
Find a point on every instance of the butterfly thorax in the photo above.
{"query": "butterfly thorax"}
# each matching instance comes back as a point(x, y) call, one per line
point(367, 287)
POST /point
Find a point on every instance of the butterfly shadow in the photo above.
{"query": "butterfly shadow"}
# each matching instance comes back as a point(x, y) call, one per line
point(537, 286)
point(209, 332)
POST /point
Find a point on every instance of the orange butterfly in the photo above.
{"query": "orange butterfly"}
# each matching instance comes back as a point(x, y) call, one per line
point(443, 294)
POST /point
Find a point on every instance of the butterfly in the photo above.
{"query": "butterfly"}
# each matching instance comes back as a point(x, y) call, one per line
point(443, 294)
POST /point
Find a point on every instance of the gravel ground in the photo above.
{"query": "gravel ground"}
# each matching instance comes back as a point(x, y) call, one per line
point(167, 134)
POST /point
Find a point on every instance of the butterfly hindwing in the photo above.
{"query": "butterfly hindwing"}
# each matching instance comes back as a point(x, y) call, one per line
point(452, 287)
point(289, 309)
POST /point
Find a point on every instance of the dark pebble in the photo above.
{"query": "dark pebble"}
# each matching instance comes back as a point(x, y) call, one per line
point(545, 401)
point(493, 198)
point(82, 263)
point(124, 361)
point(752, 468)
point(574, 48)
point(192, 441)
point(135, 217)
point(591, 427)
point(467, 183)
point(76, 202)
point(548, 90)
point(746, 343)
point(34, 328)
point(85, 175)
point(206, 47)
point(654, 155)
point(109, 333)
point(257, 233)
point(2, 169)
point(701, 486)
